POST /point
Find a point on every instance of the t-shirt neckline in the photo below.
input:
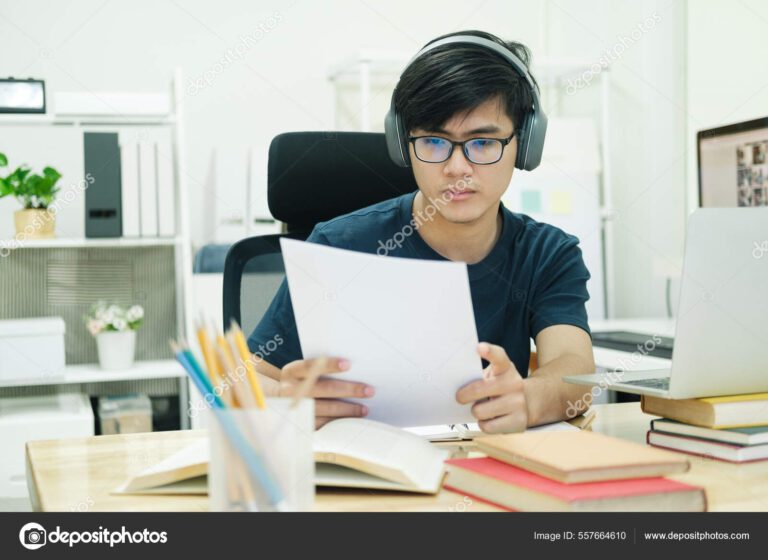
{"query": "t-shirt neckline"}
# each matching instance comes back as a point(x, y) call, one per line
point(492, 260)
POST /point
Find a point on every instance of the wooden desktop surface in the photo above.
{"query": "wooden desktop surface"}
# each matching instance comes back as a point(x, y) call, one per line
point(79, 474)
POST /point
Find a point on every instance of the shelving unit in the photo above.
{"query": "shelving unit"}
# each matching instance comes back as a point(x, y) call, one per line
point(145, 372)
point(85, 120)
point(82, 242)
point(92, 373)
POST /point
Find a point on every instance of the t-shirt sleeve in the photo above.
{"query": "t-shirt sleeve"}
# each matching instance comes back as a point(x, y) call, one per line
point(559, 286)
point(276, 338)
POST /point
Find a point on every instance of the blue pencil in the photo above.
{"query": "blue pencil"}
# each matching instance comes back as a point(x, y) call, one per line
point(246, 451)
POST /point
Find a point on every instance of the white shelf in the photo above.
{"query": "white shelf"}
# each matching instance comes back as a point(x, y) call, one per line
point(85, 120)
point(92, 373)
point(82, 242)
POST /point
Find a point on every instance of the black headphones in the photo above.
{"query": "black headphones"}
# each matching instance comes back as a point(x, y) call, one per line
point(530, 134)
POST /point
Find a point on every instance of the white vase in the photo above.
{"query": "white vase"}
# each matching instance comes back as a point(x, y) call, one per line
point(116, 349)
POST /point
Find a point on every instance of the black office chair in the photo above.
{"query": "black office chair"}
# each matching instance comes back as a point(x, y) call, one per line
point(311, 177)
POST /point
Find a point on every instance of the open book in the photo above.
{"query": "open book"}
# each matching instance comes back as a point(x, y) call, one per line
point(350, 452)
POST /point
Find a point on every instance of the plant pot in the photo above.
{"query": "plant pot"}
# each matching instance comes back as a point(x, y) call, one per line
point(35, 223)
point(116, 349)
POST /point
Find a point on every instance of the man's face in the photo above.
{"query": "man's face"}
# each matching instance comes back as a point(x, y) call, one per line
point(465, 191)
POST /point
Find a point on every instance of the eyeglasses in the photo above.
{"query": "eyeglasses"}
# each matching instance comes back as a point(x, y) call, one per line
point(481, 151)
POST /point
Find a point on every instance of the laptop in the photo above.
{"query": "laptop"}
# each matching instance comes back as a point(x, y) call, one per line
point(721, 335)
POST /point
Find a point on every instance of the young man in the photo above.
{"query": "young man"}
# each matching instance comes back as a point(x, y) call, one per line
point(462, 106)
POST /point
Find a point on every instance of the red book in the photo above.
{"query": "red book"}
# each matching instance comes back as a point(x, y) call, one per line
point(514, 488)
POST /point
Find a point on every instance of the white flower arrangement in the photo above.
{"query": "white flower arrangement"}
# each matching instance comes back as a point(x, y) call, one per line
point(113, 318)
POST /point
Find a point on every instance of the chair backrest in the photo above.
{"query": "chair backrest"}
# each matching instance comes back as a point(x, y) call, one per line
point(210, 258)
point(253, 272)
point(316, 176)
point(312, 177)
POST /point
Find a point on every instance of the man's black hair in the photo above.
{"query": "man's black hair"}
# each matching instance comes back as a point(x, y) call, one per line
point(456, 78)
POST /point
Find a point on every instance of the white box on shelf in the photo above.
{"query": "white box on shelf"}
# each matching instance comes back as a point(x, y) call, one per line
point(24, 419)
point(147, 189)
point(32, 349)
point(166, 191)
point(129, 168)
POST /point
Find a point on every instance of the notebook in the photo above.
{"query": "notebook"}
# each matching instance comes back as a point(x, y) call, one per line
point(517, 489)
point(581, 456)
point(461, 432)
point(710, 449)
point(350, 452)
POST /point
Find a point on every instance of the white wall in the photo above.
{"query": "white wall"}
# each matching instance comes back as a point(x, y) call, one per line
point(281, 83)
point(646, 133)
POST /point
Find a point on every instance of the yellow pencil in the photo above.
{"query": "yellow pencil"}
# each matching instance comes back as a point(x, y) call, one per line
point(242, 395)
point(245, 355)
point(227, 364)
point(211, 363)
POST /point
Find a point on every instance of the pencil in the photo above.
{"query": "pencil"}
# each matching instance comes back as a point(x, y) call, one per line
point(185, 357)
point(242, 348)
point(252, 460)
point(227, 361)
point(242, 394)
point(211, 363)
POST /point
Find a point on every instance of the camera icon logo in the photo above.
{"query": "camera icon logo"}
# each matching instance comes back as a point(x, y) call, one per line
point(32, 536)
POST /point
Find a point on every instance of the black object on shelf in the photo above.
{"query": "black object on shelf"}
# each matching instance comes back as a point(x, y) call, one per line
point(166, 413)
point(103, 197)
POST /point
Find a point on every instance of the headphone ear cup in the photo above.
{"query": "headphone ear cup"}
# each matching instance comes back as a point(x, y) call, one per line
point(536, 133)
point(530, 141)
point(397, 143)
point(522, 142)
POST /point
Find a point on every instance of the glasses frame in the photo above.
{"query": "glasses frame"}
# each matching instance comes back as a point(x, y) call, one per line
point(504, 143)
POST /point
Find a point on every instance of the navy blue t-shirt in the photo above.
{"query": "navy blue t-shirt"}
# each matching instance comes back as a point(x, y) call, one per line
point(533, 278)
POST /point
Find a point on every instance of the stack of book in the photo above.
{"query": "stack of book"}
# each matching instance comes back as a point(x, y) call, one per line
point(731, 428)
point(573, 471)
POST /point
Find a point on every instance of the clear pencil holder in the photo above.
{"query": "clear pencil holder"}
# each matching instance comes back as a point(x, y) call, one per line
point(280, 440)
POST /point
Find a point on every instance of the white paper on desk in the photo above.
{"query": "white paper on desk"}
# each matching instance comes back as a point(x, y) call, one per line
point(406, 325)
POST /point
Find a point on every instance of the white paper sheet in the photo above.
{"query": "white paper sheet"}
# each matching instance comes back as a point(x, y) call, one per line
point(406, 326)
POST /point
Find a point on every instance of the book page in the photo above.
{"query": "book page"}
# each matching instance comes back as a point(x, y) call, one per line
point(419, 462)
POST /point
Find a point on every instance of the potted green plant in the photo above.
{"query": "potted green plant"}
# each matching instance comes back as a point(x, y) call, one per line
point(36, 193)
point(114, 328)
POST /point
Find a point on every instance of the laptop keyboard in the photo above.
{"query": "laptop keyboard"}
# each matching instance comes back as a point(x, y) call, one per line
point(655, 383)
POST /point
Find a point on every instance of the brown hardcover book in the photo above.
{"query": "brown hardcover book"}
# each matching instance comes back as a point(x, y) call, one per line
point(736, 411)
point(572, 457)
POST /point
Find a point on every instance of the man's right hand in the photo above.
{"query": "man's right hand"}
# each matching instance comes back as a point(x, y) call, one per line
point(327, 392)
